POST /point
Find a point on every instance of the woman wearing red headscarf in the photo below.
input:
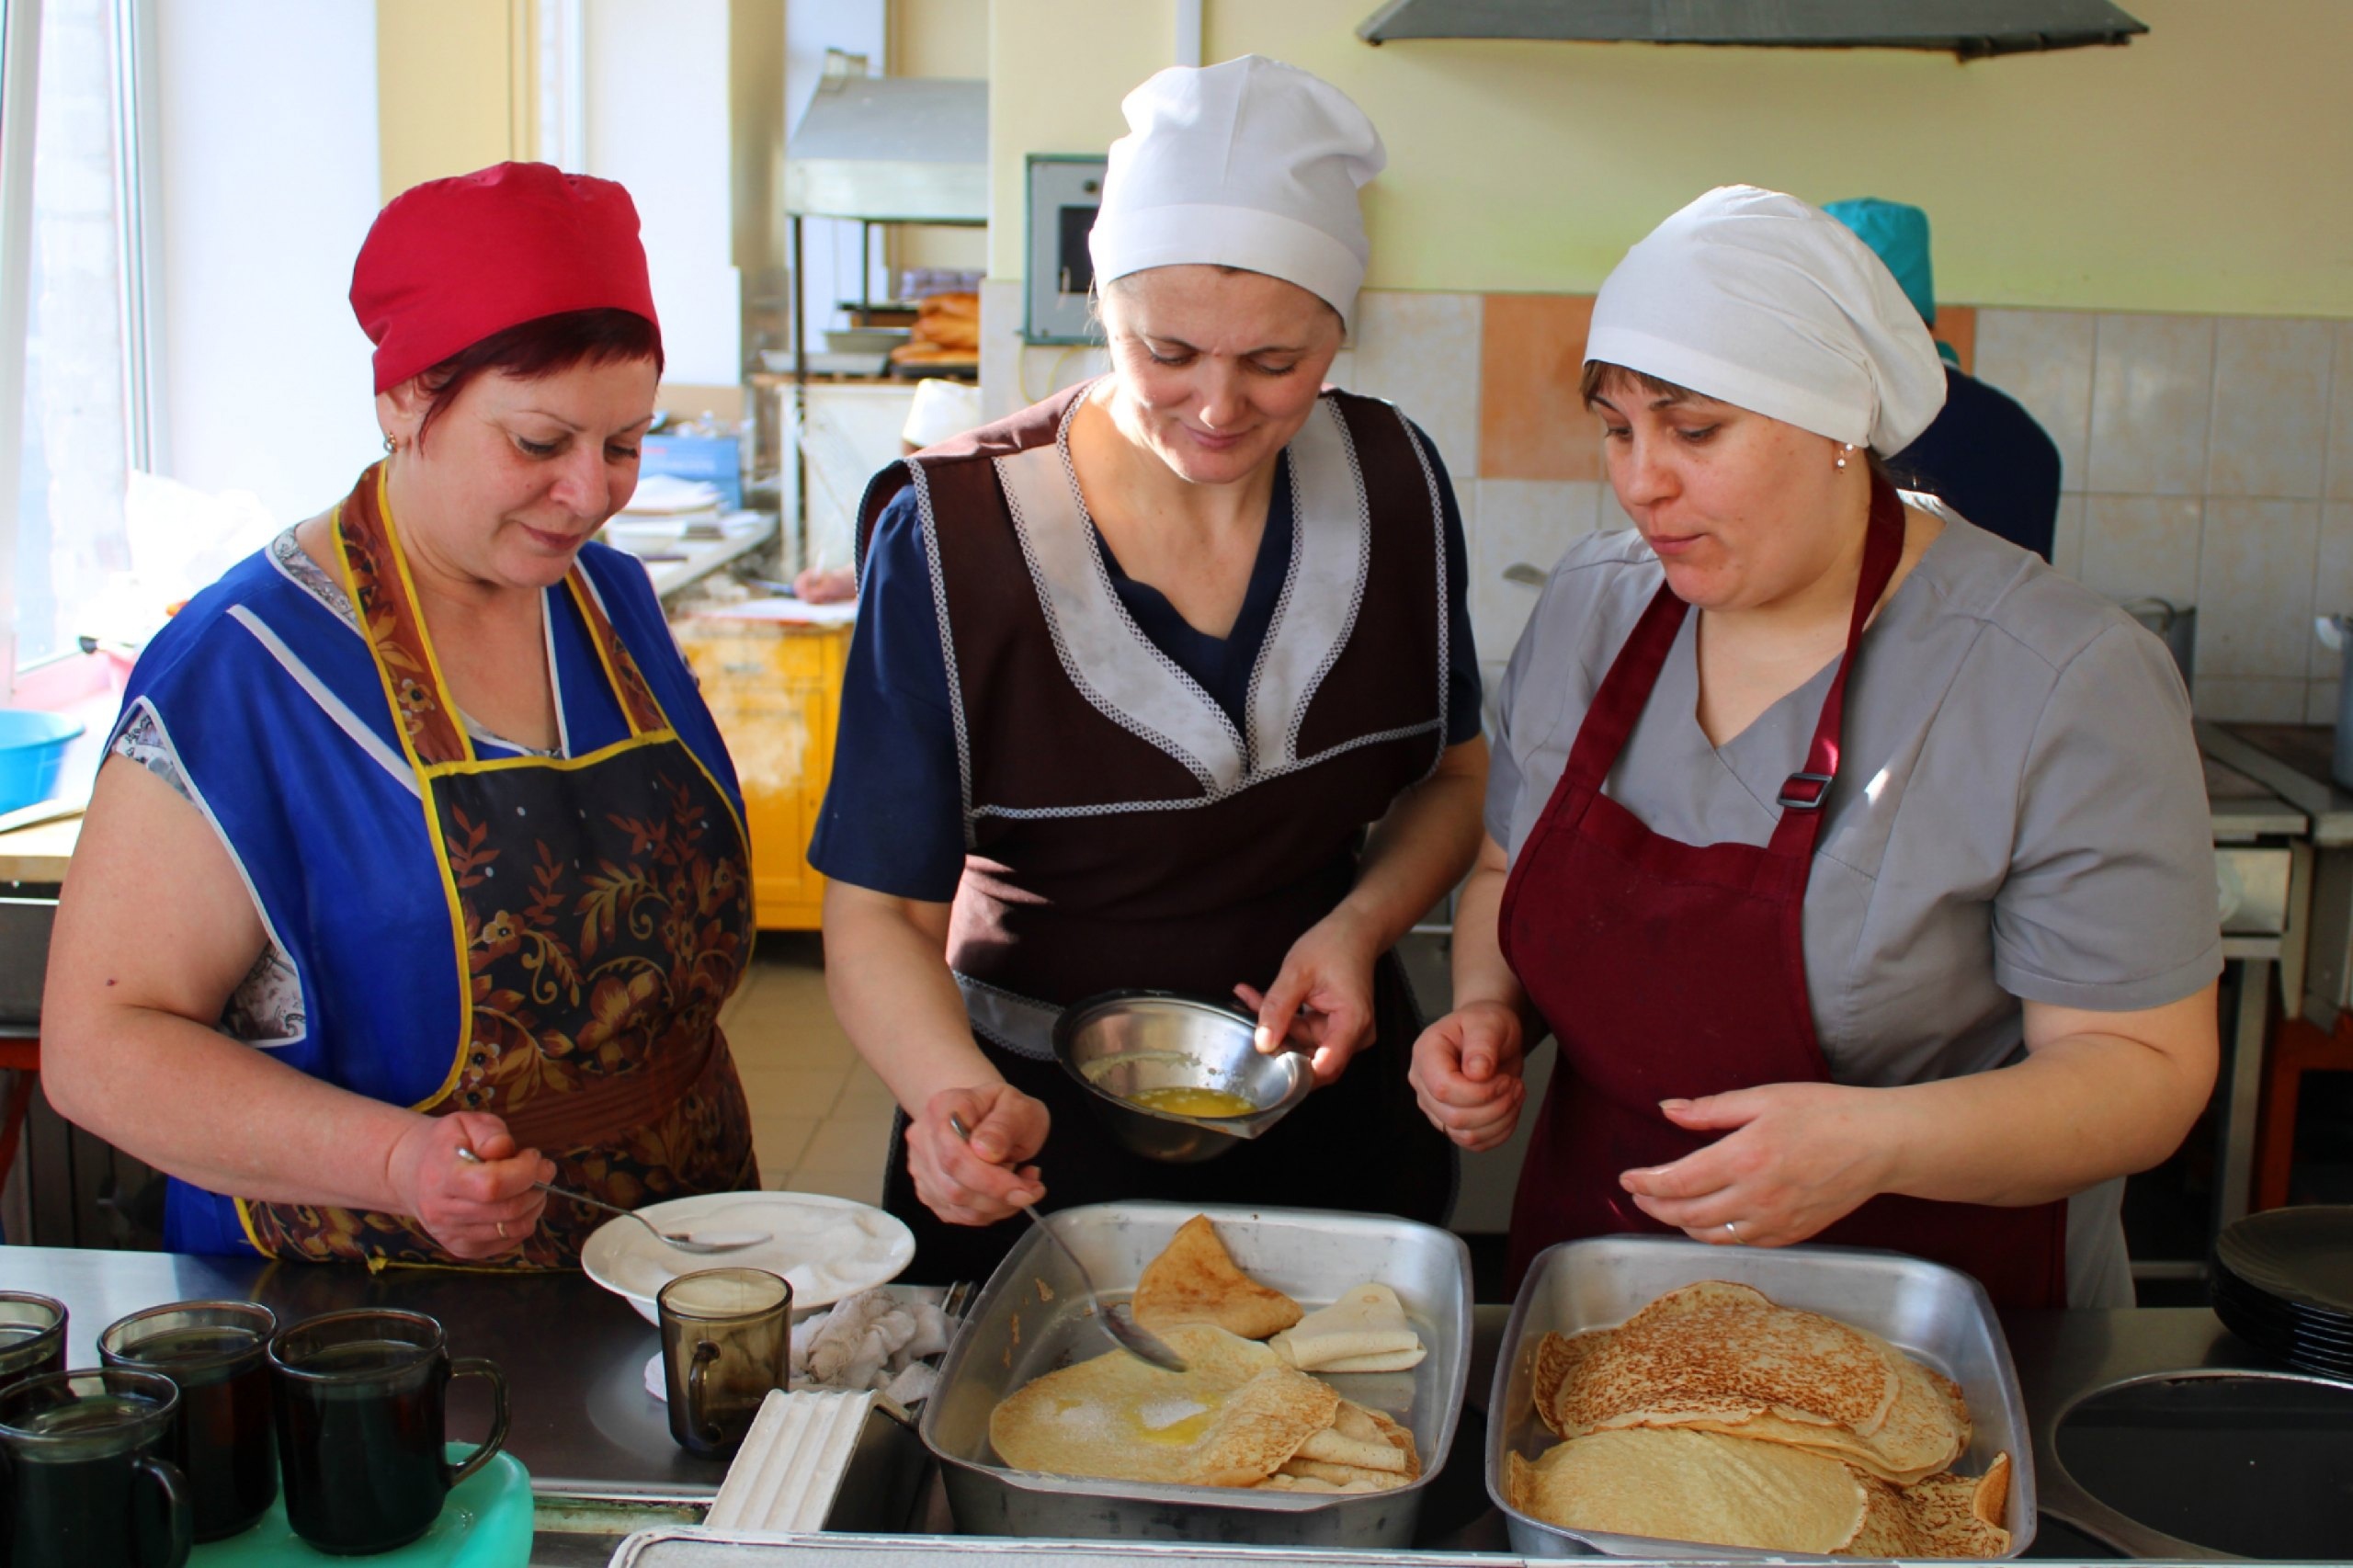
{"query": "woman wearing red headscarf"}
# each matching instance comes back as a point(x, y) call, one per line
point(414, 843)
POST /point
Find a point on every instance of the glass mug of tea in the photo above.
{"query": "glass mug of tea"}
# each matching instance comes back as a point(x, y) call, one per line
point(32, 1336)
point(83, 1476)
point(726, 1341)
point(362, 1405)
point(218, 1354)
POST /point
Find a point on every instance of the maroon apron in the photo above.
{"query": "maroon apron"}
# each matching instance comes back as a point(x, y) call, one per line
point(1676, 970)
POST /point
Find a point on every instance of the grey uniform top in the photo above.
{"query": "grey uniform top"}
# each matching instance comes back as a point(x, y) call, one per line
point(2020, 814)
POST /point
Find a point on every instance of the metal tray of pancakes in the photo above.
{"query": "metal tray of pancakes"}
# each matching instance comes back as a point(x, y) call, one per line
point(1030, 1320)
point(1938, 1316)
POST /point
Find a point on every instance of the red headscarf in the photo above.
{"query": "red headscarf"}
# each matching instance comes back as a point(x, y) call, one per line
point(452, 261)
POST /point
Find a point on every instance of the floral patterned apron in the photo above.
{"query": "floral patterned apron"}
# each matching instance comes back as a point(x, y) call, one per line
point(600, 911)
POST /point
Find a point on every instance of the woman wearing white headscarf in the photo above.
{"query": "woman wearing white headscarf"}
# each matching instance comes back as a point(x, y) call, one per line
point(1136, 670)
point(1872, 904)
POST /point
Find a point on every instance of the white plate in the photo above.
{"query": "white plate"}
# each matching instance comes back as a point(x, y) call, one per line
point(826, 1248)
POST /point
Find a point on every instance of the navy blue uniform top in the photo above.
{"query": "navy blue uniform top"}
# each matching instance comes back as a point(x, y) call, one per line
point(1990, 461)
point(893, 820)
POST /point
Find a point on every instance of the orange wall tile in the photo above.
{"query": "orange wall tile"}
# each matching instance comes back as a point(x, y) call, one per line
point(1957, 325)
point(1531, 424)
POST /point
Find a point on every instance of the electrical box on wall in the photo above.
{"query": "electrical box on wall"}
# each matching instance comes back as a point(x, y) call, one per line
point(1064, 190)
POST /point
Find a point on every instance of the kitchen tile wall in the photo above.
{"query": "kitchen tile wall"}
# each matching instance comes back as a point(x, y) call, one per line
point(2207, 461)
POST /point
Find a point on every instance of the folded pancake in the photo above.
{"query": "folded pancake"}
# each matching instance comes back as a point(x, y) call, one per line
point(1364, 1331)
point(1720, 1354)
point(1364, 1439)
point(1231, 1418)
point(1678, 1484)
point(1195, 1279)
point(1946, 1515)
point(1926, 1430)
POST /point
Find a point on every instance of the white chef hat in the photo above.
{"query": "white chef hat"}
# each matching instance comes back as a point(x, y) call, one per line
point(1250, 164)
point(1762, 301)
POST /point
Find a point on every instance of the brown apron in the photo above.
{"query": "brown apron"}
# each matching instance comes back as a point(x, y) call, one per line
point(600, 911)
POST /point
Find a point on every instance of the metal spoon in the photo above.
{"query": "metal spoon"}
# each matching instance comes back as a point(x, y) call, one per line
point(1116, 1320)
point(726, 1241)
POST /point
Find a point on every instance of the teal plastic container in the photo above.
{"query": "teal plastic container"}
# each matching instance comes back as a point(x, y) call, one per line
point(32, 749)
point(486, 1523)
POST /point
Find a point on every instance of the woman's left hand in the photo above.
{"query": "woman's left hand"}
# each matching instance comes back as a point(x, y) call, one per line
point(1794, 1158)
point(1322, 1001)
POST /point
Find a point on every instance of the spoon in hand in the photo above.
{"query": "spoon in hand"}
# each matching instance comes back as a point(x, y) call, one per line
point(1116, 1320)
point(724, 1240)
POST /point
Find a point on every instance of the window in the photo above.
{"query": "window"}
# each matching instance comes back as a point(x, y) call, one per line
point(81, 423)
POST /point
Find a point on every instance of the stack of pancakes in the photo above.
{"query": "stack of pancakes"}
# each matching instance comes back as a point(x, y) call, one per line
point(1243, 1414)
point(1714, 1416)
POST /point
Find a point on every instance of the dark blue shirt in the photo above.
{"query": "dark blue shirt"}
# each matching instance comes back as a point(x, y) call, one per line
point(894, 818)
point(1987, 457)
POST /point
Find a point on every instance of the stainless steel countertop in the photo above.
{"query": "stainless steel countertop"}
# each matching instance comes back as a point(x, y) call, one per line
point(584, 1426)
point(2293, 762)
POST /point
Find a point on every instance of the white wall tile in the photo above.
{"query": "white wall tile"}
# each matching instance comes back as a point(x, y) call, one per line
point(1613, 517)
point(2235, 698)
point(1491, 684)
point(2269, 434)
point(1001, 307)
point(2320, 702)
point(1520, 522)
point(2333, 574)
point(1421, 352)
point(2043, 358)
point(2067, 537)
point(2254, 589)
point(2152, 391)
point(2340, 417)
point(2141, 547)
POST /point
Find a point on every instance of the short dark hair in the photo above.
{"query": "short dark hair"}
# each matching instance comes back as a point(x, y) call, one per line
point(1599, 373)
point(542, 348)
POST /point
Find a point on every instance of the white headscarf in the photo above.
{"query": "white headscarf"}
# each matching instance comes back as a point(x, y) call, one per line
point(1250, 164)
point(1764, 302)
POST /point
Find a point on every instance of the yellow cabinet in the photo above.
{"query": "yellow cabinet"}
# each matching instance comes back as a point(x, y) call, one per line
point(775, 689)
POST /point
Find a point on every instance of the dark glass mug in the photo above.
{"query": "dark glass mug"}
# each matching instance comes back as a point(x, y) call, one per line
point(362, 1403)
point(217, 1353)
point(32, 1336)
point(726, 1341)
point(83, 1479)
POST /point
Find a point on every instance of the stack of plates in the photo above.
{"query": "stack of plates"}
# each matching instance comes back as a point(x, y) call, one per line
point(2283, 1282)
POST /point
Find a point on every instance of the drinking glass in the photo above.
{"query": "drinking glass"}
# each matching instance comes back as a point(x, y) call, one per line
point(726, 1337)
point(83, 1479)
point(362, 1403)
point(217, 1353)
point(32, 1336)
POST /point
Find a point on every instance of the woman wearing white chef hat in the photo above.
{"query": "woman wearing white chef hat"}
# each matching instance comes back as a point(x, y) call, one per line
point(1136, 671)
point(1874, 902)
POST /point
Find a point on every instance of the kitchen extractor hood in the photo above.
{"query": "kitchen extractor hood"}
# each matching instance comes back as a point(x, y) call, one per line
point(1970, 28)
point(900, 149)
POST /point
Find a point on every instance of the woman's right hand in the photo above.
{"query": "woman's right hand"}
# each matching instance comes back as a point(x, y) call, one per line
point(983, 1180)
point(473, 1210)
point(1466, 1074)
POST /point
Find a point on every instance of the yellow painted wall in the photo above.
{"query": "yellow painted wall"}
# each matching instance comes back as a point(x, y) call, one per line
point(950, 38)
point(453, 87)
point(2202, 168)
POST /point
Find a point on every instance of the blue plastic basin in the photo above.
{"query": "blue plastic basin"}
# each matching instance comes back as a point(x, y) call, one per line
point(32, 749)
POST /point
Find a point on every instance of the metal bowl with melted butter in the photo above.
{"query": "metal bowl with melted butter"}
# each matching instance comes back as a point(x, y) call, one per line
point(1178, 1077)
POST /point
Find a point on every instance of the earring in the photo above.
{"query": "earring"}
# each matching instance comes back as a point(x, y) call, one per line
point(1840, 463)
point(392, 446)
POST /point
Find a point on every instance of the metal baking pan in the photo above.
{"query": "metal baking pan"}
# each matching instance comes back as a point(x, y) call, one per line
point(1029, 1322)
point(1936, 1313)
point(692, 1548)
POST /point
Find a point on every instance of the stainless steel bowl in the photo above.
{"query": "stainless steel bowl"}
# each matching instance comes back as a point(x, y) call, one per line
point(1123, 1042)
